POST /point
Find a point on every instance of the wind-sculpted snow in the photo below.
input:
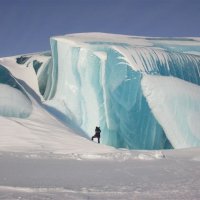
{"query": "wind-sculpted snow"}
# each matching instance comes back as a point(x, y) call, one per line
point(13, 100)
point(176, 105)
point(101, 80)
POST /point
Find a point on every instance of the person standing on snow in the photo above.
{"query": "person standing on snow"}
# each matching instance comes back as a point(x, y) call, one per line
point(97, 134)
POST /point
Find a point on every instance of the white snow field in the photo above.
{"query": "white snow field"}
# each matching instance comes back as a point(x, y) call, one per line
point(143, 92)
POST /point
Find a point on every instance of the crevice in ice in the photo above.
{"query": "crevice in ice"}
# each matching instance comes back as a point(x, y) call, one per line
point(36, 65)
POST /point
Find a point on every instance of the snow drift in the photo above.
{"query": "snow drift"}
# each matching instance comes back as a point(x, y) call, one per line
point(142, 92)
point(13, 100)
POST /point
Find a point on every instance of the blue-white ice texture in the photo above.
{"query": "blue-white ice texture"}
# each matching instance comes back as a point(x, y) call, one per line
point(98, 83)
point(95, 80)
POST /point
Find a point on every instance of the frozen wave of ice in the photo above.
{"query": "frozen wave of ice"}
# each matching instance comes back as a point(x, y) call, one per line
point(99, 81)
point(96, 79)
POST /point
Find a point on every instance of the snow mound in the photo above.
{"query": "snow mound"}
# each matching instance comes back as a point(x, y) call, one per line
point(13, 103)
point(151, 156)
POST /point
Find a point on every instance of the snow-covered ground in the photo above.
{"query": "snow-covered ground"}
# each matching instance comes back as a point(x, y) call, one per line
point(121, 174)
point(45, 157)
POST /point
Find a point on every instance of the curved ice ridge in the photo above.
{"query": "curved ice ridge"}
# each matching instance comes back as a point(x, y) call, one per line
point(96, 80)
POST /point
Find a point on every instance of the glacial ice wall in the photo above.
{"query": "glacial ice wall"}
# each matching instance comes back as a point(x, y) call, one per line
point(97, 82)
point(142, 92)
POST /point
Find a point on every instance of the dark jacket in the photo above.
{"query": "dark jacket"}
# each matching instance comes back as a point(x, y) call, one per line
point(97, 132)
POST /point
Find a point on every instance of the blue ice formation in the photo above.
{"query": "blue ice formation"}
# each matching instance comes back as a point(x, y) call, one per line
point(99, 83)
point(116, 82)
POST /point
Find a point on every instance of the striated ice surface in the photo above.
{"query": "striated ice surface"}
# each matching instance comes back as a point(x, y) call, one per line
point(99, 83)
point(142, 92)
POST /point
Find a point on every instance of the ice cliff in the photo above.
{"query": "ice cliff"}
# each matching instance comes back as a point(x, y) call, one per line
point(143, 92)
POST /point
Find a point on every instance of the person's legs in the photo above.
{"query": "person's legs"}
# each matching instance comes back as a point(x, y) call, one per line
point(95, 137)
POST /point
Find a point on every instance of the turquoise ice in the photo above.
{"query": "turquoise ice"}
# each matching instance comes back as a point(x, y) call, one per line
point(98, 82)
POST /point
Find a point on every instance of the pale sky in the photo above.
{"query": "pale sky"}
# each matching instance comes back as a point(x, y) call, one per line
point(26, 25)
